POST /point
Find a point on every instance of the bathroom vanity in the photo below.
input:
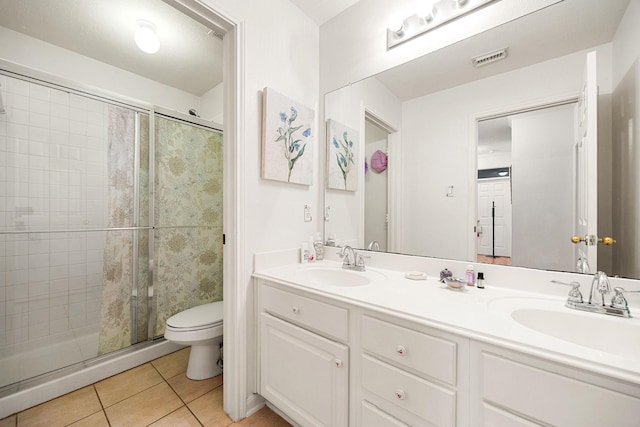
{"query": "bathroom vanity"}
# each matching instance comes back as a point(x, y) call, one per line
point(341, 348)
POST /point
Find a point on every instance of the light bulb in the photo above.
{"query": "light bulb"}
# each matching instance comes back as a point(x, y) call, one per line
point(426, 10)
point(395, 24)
point(146, 38)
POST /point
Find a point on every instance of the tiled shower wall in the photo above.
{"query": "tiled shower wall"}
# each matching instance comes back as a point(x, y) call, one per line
point(53, 185)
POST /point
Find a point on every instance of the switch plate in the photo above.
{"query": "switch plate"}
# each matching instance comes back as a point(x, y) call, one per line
point(307, 213)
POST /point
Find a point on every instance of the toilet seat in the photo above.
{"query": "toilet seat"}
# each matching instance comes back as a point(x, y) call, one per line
point(196, 318)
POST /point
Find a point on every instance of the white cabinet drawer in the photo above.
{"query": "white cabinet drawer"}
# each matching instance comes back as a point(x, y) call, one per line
point(322, 317)
point(553, 398)
point(424, 353)
point(374, 417)
point(435, 404)
point(494, 417)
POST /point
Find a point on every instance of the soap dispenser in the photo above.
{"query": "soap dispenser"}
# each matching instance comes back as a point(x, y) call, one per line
point(318, 247)
point(312, 251)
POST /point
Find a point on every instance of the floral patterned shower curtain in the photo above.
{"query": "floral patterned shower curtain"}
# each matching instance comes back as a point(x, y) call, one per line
point(187, 248)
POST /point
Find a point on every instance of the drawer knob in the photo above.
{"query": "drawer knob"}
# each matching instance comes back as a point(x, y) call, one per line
point(401, 350)
point(400, 394)
point(338, 363)
point(296, 310)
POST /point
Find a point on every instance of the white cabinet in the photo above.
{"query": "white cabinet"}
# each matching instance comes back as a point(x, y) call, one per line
point(326, 362)
point(303, 373)
point(410, 372)
point(516, 390)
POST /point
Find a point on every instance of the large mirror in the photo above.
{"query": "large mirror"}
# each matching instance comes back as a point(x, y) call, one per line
point(496, 163)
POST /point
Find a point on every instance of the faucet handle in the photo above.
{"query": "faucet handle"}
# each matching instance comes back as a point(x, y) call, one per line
point(618, 300)
point(574, 294)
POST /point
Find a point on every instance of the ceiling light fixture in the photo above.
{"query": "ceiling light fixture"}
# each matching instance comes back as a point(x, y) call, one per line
point(146, 37)
point(429, 14)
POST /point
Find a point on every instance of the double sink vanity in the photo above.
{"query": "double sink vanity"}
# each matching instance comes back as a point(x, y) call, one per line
point(374, 348)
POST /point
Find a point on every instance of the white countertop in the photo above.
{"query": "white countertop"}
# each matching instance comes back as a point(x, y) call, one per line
point(480, 314)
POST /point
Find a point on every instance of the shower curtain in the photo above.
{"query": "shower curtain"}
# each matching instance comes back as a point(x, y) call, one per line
point(186, 231)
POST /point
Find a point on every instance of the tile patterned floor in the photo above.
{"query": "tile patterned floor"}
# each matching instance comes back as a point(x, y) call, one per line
point(156, 394)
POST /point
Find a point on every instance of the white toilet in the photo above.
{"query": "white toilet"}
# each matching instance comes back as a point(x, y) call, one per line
point(201, 328)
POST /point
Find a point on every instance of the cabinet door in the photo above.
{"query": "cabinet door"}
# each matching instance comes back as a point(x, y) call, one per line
point(303, 374)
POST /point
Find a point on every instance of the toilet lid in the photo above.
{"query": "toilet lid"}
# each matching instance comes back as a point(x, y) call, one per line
point(201, 315)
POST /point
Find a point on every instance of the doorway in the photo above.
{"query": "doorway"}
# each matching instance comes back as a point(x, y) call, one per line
point(376, 185)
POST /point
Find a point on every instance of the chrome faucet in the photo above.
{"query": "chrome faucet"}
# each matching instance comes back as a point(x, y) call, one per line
point(374, 246)
point(350, 259)
point(600, 283)
point(582, 265)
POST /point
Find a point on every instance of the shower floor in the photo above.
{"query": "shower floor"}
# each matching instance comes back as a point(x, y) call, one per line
point(23, 361)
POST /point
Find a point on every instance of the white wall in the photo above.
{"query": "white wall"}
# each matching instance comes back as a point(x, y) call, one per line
point(494, 160)
point(436, 134)
point(211, 104)
point(348, 106)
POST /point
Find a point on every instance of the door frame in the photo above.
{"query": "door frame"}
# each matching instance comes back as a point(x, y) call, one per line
point(236, 399)
point(393, 177)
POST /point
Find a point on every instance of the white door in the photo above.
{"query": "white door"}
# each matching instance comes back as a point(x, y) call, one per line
point(494, 213)
point(586, 163)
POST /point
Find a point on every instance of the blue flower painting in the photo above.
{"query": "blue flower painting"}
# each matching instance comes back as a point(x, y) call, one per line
point(342, 157)
point(287, 141)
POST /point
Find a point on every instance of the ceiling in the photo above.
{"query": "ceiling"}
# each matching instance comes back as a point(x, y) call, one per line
point(189, 58)
point(323, 10)
point(560, 29)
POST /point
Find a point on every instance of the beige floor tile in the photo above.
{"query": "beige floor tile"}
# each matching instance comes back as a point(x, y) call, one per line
point(173, 364)
point(188, 390)
point(209, 409)
point(9, 421)
point(124, 385)
point(145, 407)
point(99, 419)
point(182, 417)
point(63, 410)
point(265, 417)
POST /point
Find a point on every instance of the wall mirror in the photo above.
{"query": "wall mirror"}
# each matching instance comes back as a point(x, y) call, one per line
point(447, 126)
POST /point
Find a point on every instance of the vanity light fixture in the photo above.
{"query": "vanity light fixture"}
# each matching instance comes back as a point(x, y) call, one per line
point(395, 24)
point(146, 37)
point(429, 14)
point(426, 10)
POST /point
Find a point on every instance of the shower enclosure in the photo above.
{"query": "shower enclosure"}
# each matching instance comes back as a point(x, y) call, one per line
point(110, 222)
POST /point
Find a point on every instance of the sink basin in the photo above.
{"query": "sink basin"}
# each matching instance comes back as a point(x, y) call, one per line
point(596, 331)
point(335, 276)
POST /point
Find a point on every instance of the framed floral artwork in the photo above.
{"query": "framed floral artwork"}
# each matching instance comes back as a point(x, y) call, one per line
point(287, 139)
point(342, 156)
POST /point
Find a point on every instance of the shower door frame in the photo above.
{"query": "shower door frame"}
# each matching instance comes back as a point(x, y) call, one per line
point(53, 82)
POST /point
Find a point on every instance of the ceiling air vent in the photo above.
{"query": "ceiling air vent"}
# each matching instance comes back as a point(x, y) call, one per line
point(490, 57)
